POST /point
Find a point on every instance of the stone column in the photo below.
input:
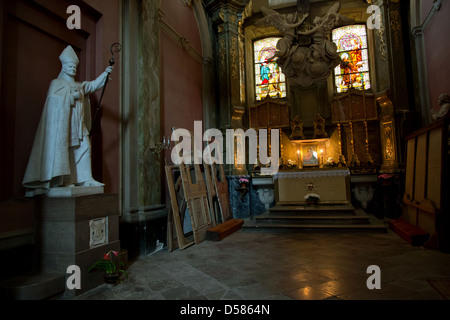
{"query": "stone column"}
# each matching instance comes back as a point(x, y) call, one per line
point(141, 126)
point(141, 123)
point(393, 77)
point(225, 16)
point(149, 105)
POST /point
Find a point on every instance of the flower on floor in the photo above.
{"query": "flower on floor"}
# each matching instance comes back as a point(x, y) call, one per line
point(108, 265)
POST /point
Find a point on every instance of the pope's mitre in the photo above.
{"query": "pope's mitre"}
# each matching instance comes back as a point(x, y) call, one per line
point(69, 56)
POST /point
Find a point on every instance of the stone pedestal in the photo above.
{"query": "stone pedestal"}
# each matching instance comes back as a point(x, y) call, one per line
point(263, 194)
point(239, 197)
point(78, 231)
point(364, 193)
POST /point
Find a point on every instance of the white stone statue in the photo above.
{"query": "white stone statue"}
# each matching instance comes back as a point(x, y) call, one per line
point(444, 105)
point(61, 153)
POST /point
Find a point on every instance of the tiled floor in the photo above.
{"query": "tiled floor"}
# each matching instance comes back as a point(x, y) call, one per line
point(300, 266)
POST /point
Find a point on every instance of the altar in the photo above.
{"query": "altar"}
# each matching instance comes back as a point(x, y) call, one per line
point(332, 185)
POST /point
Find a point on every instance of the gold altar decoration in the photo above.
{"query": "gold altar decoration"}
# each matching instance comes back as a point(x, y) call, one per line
point(350, 109)
point(311, 152)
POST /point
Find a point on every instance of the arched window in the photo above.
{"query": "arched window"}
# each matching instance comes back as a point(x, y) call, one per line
point(354, 71)
point(269, 80)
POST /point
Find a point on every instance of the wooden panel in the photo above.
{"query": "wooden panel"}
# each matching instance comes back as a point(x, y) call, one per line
point(197, 202)
point(212, 196)
point(411, 215)
point(176, 212)
point(270, 113)
point(421, 168)
point(425, 180)
point(354, 106)
point(410, 165)
point(222, 192)
point(434, 184)
point(426, 221)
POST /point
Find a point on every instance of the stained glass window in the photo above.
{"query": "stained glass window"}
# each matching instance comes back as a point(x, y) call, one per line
point(269, 80)
point(354, 71)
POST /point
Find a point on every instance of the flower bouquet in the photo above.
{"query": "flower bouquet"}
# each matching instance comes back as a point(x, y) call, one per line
point(312, 199)
point(331, 163)
point(244, 183)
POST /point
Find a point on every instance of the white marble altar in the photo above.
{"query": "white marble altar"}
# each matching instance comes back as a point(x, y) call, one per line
point(332, 185)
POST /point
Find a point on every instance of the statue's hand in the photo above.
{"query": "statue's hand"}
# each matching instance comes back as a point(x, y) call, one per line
point(109, 70)
point(76, 95)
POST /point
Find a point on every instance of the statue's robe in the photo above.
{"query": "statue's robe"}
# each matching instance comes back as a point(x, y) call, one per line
point(64, 124)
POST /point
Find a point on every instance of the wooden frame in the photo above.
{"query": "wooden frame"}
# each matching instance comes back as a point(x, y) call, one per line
point(212, 195)
point(197, 201)
point(176, 213)
point(221, 186)
point(426, 181)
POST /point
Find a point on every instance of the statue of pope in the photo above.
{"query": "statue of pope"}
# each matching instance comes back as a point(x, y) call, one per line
point(61, 153)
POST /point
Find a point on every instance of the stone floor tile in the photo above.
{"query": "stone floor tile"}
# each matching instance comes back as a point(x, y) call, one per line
point(227, 294)
point(308, 293)
point(298, 266)
point(179, 293)
point(255, 291)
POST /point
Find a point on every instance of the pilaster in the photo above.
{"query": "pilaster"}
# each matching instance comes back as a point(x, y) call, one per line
point(396, 100)
point(141, 109)
point(226, 16)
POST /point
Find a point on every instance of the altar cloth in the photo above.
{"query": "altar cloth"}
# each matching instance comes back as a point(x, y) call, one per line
point(312, 174)
point(332, 185)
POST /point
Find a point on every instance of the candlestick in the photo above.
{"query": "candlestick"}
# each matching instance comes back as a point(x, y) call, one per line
point(159, 147)
point(321, 158)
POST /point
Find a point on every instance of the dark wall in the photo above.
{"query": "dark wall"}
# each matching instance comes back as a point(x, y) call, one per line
point(437, 49)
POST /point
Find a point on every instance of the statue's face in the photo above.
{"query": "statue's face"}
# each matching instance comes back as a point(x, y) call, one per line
point(70, 69)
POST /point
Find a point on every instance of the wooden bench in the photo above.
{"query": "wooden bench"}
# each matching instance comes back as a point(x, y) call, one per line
point(223, 230)
point(412, 234)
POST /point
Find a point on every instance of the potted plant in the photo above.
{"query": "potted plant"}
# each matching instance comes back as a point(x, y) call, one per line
point(244, 183)
point(312, 199)
point(109, 266)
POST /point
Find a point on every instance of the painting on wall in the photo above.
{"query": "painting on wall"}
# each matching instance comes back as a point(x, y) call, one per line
point(310, 156)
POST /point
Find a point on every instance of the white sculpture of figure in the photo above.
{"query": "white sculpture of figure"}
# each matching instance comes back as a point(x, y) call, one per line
point(266, 196)
point(444, 106)
point(61, 153)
